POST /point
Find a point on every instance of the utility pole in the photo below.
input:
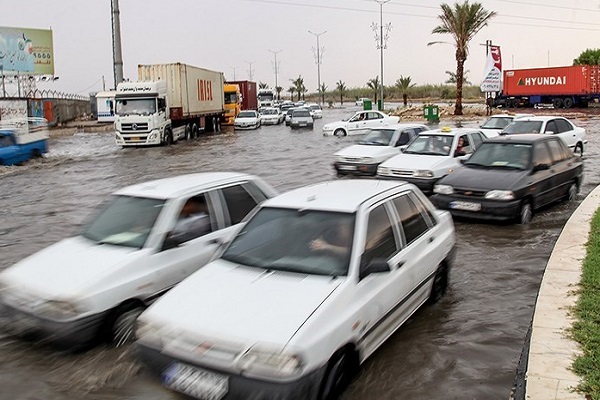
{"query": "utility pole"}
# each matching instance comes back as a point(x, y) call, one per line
point(233, 68)
point(318, 62)
point(250, 71)
point(116, 31)
point(276, 67)
point(3, 87)
point(381, 39)
point(103, 84)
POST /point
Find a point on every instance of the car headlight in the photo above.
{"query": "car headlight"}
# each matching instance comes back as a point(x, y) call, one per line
point(339, 158)
point(57, 310)
point(423, 173)
point(366, 160)
point(443, 189)
point(500, 195)
point(383, 170)
point(270, 364)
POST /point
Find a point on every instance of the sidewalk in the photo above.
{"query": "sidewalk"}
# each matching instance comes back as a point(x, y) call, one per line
point(551, 352)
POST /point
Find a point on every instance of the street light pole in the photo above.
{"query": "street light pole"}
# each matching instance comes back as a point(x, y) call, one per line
point(3, 87)
point(318, 61)
point(382, 41)
point(276, 68)
point(250, 72)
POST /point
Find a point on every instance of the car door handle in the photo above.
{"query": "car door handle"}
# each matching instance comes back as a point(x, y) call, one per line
point(400, 264)
point(431, 239)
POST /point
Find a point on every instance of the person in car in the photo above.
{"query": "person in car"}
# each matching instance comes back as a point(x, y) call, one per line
point(338, 245)
point(193, 220)
point(460, 151)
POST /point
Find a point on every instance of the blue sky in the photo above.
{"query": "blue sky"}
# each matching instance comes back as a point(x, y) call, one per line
point(233, 36)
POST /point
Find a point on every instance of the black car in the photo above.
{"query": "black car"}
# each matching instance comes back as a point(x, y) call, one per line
point(509, 177)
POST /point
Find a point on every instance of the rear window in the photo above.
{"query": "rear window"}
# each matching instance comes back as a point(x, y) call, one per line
point(300, 113)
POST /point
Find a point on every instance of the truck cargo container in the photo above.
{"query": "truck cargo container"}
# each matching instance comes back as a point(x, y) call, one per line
point(249, 94)
point(169, 102)
point(572, 86)
point(105, 106)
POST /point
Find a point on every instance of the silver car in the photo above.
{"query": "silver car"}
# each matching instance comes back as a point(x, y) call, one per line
point(301, 118)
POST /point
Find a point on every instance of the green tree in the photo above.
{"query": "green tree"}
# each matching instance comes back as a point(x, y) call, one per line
point(462, 22)
point(588, 57)
point(404, 84)
point(292, 90)
point(278, 90)
point(374, 85)
point(322, 91)
point(452, 78)
point(340, 86)
point(262, 85)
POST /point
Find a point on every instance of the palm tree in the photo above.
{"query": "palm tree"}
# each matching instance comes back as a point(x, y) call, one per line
point(278, 90)
point(322, 90)
point(292, 90)
point(340, 86)
point(452, 77)
point(299, 86)
point(374, 84)
point(262, 85)
point(404, 84)
point(462, 22)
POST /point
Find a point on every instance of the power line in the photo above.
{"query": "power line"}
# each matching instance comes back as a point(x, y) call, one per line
point(549, 6)
point(91, 86)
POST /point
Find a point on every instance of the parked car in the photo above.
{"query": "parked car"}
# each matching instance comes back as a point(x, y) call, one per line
point(288, 116)
point(496, 123)
point(361, 101)
point(311, 286)
point(510, 177)
point(572, 135)
point(247, 119)
point(315, 110)
point(431, 156)
point(301, 118)
point(376, 147)
point(140, 244)
point(360, 123)
point(271, 116)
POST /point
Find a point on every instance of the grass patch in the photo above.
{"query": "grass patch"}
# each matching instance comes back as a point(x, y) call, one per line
point(586, 331)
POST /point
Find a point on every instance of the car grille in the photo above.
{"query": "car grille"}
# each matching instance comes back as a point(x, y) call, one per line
point(469, 192)
point(402, 172)
point(352, 159)
point(134, 127)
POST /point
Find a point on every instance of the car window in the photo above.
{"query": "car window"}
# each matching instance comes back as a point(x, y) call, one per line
point(239, 202)
point(551, 127)
point(404, 137)
point(542, 156)
point(477, 139)
point(423, 209)
point(194, 220)
point(567, 152)
point(381, 242)
point(373, 115)
point(555, 151)
point(412, 220)
point(563, 125)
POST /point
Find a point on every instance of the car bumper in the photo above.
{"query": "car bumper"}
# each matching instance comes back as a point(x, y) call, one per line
point(302, 125)
point(239, 387)
point(345, 168)
point(488, 209)
point(426, 185)
point(246, 127)
point(70, 334)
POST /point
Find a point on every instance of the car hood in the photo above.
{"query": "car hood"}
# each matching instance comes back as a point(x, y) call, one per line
point(362, 150)
point(490, 132)
point(68, 267)
point(420, 161)
point(485, 179)
point(229, 301)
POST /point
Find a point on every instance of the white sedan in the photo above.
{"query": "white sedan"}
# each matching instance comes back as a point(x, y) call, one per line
point(360, 123)
point(310, 287)
point(247, 119)
point(496, 123)
point(573, 136)
point(271, 116)
point(92, 286)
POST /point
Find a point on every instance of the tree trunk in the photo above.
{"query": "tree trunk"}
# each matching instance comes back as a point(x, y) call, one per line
point(341, 98)
point(460, 69)
point(405, 99)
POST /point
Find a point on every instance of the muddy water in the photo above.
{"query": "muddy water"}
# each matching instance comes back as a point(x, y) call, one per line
point(465, 347)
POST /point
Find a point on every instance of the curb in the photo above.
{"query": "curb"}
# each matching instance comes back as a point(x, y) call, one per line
point(551, 351)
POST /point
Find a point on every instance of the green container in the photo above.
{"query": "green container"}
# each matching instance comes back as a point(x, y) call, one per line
point(431, 113)
point(367, 104)
point(379, 106)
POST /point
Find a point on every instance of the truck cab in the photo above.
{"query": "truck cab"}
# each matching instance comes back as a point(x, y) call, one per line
point(233, 102)
point(23, 139)
point(265, 98)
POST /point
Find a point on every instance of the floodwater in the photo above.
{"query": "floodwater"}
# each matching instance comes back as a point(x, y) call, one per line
point(467, 346)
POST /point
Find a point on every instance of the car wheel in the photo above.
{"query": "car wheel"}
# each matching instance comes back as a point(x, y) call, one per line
point(168, 139)
point(440, 284)
point(119, 328)
point(572, 192)
point(188, 132)
point(525, 213)
point(339, 372)
point(578, 150)
point(339, 132)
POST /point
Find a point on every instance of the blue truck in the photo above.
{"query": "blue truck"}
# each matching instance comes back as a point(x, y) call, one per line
point(21, 140)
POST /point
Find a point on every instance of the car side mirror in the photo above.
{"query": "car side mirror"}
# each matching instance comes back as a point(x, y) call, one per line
point(549, 132)
point(540, 167)
point(375, 266)
point(171, 241)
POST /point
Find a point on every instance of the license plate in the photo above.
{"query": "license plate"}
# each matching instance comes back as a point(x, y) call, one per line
point(302, 124)
point(465, 205)
point(196, 382)
point(347, 167)
point(136, 139)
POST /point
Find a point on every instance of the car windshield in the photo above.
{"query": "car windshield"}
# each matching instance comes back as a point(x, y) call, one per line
point(269, 112)
point(501, 155)
point(315, 107)
point(523, 127)
point(230, 97)
point(435, 145)
point(136, 106)
point(247, 114)
point(301, 113)
point(497, 122)
point(292, 240)
point(124, 221)
point(378, 137)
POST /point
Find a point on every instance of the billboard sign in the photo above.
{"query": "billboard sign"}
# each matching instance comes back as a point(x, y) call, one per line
point(492, 75)
point(27, 50)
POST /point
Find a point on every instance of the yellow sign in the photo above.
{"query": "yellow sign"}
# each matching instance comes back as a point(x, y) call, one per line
point(27, 50)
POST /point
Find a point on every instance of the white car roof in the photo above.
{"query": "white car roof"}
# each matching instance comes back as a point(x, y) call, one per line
point(339, 195)
point(542, 118)
point(400, 126)
point(180, 185)
point(450, 131)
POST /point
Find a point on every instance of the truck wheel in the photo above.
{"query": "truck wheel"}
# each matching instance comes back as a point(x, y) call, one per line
point(557, 103)
point(568, 102)
point(194, 130)
point(168, 139)
point(214, 124)
point(188, 132)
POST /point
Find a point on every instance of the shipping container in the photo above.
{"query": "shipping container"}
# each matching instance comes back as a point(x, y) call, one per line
point(249, 93)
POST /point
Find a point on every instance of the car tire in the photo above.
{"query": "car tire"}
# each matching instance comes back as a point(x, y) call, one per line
point(339, 132)
point(572, 192)
point(120, 324)
point(340, 370)
point(194, 133)
point(525, 212)
point(578, 151)
point(440, 284)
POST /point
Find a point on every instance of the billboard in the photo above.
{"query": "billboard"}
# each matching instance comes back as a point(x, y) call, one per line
point(27, 50)
point(492, 81)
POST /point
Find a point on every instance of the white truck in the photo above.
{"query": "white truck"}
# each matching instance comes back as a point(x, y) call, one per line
point(266, 97)
point(169, 102)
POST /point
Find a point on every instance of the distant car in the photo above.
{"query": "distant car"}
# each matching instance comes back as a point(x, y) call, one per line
point(316, 110)
point(301, 118)
point(376, 147)
point(431, 156)
point(92, 286)
point(494, 124)
point(288, 116)
point(360, 123)
point(509, 177)
point(573, 136)
point(299, 103)
point(271, 116)
point(311, 286)
point(247, 119)
point(361, 101)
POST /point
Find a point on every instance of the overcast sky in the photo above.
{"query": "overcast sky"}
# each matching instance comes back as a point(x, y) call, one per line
point(233, 36)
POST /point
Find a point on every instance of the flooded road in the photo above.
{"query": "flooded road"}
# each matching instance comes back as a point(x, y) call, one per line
point(467, 346)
